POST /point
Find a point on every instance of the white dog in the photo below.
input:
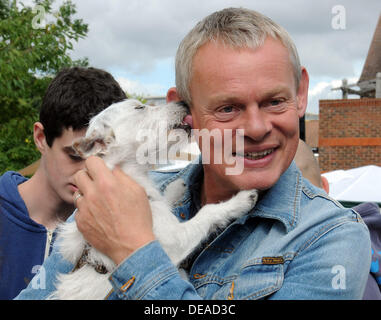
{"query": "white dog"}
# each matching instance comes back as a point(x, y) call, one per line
point(113, 134)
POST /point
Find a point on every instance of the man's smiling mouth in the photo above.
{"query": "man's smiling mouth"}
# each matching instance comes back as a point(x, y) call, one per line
point(254, 155)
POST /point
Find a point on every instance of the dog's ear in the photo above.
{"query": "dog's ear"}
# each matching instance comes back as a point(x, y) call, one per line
point(86, 147)
point(96, 144)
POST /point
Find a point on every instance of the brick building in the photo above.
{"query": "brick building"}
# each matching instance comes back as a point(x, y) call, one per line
point(350, 129)
point(349, 133)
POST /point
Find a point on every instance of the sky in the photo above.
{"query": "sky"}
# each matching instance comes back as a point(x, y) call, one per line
point(136, 40)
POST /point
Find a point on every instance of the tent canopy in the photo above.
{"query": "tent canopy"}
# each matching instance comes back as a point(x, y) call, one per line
point(361, 184)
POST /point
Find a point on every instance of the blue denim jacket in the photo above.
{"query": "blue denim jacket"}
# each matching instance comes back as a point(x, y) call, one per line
point(297, 243)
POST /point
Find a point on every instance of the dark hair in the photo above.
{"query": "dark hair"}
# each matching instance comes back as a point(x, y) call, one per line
point(74, 96)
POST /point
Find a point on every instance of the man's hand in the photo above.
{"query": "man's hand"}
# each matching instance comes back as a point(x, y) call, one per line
point(114, 214)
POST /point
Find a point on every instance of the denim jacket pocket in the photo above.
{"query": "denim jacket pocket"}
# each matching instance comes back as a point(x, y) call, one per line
point(254, 281)
point(257, 281)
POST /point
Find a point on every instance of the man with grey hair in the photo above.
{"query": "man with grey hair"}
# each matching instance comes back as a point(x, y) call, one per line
point(238, 71)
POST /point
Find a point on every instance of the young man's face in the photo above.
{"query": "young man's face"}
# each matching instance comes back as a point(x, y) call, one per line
point(253, 90)
point(60, 164)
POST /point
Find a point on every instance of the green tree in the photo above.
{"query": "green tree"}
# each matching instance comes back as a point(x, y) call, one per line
point(35, 43)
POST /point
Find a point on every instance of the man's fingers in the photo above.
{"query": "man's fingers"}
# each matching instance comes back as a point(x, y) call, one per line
point(96, 168)
point(83, 181)
point(76, 197)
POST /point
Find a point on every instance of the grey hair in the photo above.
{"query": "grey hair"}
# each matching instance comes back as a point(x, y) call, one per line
point(233, 27)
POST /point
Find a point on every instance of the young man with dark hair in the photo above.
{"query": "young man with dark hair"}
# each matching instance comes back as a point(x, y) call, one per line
point(30, 209)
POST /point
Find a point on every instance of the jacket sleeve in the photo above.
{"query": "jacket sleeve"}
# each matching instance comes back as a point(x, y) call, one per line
point(148, 274)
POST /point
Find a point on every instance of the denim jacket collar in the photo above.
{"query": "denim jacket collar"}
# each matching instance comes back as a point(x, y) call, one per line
point(286, 192)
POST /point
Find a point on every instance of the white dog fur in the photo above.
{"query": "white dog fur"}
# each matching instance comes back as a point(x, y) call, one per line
point(112, 135)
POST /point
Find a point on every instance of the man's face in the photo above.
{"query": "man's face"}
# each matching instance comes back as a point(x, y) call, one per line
point(60, 163)
point(253, 90)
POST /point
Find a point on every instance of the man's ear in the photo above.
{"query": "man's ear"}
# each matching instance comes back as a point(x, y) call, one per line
point(303, 92)
point(39, 137)
point(325, 184)
point(172, 95)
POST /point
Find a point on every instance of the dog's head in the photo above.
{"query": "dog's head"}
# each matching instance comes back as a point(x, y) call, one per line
point(128, 129)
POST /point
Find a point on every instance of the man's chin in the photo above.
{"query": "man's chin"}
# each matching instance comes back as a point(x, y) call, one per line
point(251, 179)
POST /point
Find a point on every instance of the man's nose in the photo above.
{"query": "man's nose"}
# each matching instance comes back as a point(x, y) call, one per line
point(256, 123)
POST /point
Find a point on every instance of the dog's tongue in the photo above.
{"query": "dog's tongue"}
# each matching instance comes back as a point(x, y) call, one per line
point(188, 120)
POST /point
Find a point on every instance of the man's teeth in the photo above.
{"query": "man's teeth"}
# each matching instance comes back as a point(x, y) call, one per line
point(255, 155)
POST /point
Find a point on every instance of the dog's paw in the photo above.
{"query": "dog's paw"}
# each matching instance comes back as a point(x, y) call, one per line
point(253, 197)
point(175, 191)
point(244, 200)
point(221, 213)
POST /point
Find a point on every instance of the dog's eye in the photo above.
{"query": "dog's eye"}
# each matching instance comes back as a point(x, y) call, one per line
point(139, 107)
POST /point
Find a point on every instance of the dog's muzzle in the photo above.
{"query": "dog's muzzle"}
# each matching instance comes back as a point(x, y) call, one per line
point(184, 125)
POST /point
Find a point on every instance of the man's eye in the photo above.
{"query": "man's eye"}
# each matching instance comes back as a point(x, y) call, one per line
point(276, 105)
point(275, 102)
point(226, 113)
point(227, 109)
